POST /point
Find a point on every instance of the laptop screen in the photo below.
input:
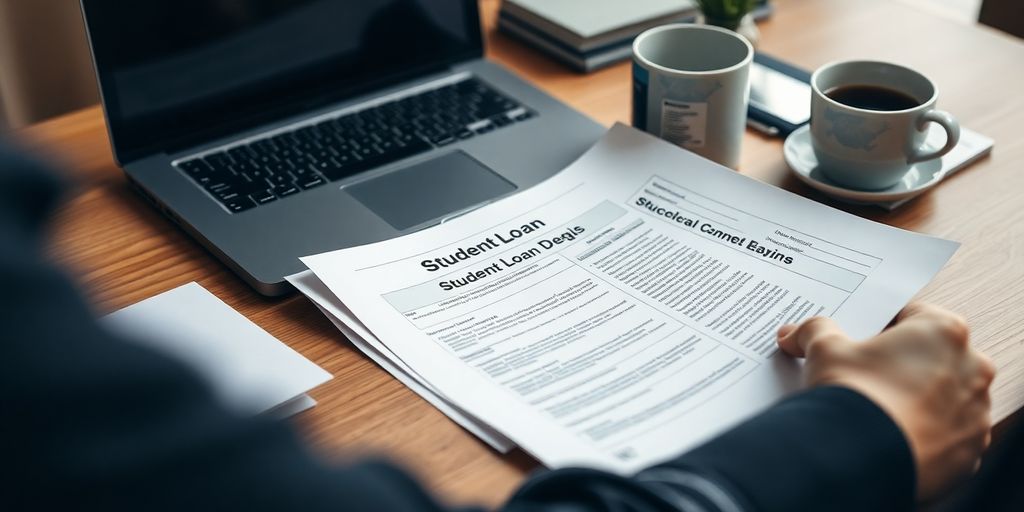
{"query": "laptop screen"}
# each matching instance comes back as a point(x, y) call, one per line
point(176, 72)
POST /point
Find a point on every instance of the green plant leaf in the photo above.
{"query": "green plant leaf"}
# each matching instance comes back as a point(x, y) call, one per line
point(725, 10)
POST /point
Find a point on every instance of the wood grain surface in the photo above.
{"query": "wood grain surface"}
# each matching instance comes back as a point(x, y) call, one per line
point(122, 251)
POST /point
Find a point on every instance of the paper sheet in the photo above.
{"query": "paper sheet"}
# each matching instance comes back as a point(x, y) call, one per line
point(248, 369)
point(625, 309)
point(292, 407)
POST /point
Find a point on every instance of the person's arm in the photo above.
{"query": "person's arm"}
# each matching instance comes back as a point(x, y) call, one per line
point(97, 423)
point(923, 372)
point(90, 422)
point(823, 449)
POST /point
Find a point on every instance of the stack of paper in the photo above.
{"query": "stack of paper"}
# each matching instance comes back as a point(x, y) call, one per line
point(247, 368)
point(623, 310)
point(364, 340)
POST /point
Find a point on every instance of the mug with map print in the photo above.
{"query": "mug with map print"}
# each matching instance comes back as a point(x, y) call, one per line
point(869, 121)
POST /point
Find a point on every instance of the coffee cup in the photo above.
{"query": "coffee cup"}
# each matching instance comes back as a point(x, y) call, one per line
point(691, 85)
point(869, 121)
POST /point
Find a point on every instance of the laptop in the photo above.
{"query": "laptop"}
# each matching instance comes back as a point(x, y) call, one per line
point(274, 129)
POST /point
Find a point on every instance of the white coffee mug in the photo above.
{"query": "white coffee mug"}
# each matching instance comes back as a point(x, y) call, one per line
point(691, 85)
point(869, 149)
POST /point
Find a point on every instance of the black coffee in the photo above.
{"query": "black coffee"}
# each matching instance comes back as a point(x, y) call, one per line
point(871, 97)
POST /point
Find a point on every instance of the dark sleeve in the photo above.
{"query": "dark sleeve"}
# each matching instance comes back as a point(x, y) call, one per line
point(92, 422)
point(997, 486)
point(824, 449)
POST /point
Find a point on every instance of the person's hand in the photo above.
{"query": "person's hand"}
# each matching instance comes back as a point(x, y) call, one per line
point(923, 372)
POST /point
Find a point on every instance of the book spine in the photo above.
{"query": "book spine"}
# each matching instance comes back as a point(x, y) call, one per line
point(575, 62)
point(578, 62)
point(528, 17)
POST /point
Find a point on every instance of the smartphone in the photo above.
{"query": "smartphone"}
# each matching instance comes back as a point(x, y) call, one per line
point(780, 96)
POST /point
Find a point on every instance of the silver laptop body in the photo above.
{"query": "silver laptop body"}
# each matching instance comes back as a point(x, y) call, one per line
point(265, 153)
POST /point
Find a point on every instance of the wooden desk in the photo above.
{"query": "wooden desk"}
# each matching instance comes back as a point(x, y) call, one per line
point(122, 251)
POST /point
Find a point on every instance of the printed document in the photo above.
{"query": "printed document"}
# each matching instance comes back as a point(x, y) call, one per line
point(624, 310)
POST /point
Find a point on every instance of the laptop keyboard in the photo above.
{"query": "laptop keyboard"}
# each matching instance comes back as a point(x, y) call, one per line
point(260, 172)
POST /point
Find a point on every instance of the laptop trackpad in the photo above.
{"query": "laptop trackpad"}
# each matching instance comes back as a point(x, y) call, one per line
point(430, 190)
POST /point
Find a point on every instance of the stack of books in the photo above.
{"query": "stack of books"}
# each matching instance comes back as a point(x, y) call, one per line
point(591, 34)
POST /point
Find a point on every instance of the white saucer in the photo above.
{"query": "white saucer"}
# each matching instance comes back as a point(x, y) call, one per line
point(800, 157)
